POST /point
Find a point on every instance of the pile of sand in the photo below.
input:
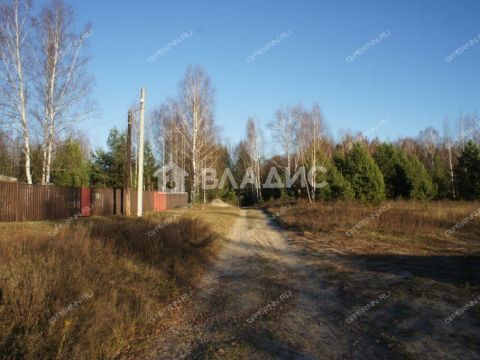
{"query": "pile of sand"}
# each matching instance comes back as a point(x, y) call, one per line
point(219, 203)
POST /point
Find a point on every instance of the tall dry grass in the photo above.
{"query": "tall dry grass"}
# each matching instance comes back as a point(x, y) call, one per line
point(403, 218)
point(113, 273)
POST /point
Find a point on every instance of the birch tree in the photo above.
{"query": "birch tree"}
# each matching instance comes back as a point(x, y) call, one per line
point(168, 139)
point(309, 133)
point(195, 121)
point(254, 146)
point(15, 66)
point(62, 82)
point(303, 138)
point(317, 129)
point(283, 130)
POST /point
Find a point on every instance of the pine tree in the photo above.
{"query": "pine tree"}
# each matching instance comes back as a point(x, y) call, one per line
point(405, 176)
point(441, 178)
point(391, 161)
point(467, 172)
point(361, 171)
point(338, 188)
point(70, 167)
point(422, 187)
point(108, 168)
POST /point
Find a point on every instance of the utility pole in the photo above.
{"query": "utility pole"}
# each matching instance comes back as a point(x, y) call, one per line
point(128, 165)
point(140, 155)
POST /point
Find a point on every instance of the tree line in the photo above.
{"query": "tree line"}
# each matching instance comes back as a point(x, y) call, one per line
point(44, 85)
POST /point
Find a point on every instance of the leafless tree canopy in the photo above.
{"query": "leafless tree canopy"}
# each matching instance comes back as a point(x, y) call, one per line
point(43, 75)
point(185, 128)
point(15, 71)
point(61, 83)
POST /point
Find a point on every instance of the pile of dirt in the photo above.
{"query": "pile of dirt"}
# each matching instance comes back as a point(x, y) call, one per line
point(219, 203)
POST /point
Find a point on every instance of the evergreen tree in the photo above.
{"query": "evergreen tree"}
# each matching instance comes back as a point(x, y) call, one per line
point(441, 178)
point(99, 168)
point(404, 176)
point(338, 188)
point(392, 163)
point(467, 172)
point(422, 187)
point(361, 171)
point(108, 168)
point(70, 167)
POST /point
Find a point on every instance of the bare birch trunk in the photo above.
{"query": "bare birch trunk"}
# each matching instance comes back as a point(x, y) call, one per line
point(451, 171)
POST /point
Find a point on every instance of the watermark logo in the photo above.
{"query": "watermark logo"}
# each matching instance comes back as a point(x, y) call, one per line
point(462, 310)
point(462, 49)
point(171, 178)
point(367, 221)
point(284, 35)
point(210, 179)
point(163, 50)
point(380, 37)
point(170, 307)
point(154, 230)
point(85, 211)
point(70, 307)
point(367, 307)
point(76, 44)
point(370, 131)
point(463, 223)
point(271, 305)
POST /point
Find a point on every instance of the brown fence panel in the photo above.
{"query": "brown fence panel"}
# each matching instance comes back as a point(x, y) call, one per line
point(37, 202)
point(176, 200)
point(23, 202)
point(148, 201)
point(8, 201)
point(102, 202)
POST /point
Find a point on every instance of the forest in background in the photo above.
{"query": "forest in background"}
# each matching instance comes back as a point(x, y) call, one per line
point(431, 166)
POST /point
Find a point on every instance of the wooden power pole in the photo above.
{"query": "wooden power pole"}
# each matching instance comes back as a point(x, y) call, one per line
point(128, 165)
point(140, 155)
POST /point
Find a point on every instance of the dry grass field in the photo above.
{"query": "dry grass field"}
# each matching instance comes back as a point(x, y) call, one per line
point(85, 292)
point(397, 227)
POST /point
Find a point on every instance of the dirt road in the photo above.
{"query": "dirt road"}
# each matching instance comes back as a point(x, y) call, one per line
point(261, 300)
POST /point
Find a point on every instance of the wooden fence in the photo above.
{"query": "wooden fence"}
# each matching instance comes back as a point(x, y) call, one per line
point(22, 202)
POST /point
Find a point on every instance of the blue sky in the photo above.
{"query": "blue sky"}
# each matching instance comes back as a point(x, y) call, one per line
point(404, 77)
